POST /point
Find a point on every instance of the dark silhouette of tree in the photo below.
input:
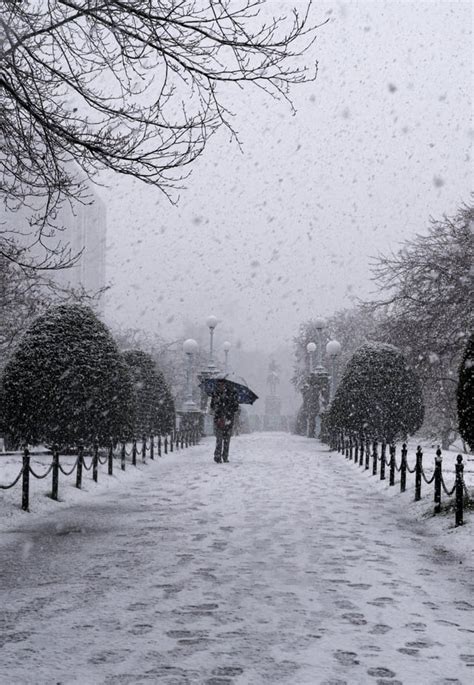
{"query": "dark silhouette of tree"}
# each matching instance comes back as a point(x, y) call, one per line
point(465, 394)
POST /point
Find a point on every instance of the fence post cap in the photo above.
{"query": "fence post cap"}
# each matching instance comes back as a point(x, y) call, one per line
point(459, 459)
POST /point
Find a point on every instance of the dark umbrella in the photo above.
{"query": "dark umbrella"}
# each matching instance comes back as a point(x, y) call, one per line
point(244, 394)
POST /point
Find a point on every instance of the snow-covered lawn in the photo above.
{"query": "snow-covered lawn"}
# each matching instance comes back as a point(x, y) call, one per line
point(287, 565)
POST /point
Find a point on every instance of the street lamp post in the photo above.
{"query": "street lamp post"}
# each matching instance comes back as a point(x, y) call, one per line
point(209, 371)
point(227, 345)
point(211, 323)
point(333, 350)
point(190, 347)
point(320, 325)
point(311, 349)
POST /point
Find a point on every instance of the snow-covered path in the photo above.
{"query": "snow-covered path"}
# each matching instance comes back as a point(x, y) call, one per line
point(279, 567)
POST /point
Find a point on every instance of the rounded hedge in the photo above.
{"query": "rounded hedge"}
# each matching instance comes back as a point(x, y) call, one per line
point(153, 404)
point(378, 395)
point(67, 382)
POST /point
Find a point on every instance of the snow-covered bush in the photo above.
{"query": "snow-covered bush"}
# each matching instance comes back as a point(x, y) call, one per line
point(166, 415)
point(378, 395)
point(66, 381)
point(153, 403)
point(466, 394)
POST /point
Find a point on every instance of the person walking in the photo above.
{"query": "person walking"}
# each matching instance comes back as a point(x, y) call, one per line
point(224, 404)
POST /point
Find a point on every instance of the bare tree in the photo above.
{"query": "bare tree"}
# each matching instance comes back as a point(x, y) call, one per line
point(130, 86)
point(426, 295)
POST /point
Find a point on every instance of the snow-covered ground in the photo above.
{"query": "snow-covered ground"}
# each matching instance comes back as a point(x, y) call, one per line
point(287, 565)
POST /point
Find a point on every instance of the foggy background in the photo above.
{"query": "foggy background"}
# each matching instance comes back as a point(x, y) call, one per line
point(282, 230)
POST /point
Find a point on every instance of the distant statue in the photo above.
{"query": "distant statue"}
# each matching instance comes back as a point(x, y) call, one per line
point(273, 379)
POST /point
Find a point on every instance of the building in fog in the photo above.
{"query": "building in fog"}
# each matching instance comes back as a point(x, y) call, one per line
point(83, 230)
point(86, 231)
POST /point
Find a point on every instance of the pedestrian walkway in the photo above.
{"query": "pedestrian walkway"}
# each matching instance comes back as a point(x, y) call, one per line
point(270, 569)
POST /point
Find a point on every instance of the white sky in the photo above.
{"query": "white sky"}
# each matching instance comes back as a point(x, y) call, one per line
point(284, 231)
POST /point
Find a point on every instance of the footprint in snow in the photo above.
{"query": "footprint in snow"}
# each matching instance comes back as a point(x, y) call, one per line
point(346, 658)
point(381, 672)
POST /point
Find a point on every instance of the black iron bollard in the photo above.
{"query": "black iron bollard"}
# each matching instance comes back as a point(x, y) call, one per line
point(392, 464)
point(351, 448)
point(418, 469)
point(95, 462)
point(134, 453)
point(437, 480)
point(361, 454)
point(382, 460)
point(25, 487)
point(166, 444)
point(55, 484)
point(374, 457)
point(80, 460)
point(159, 445)
point(152, 447)
point(367, 454)
point(459, 491)
point(110, 469)
point(356, 450)
point(123, 457)
point(403, 469)
point(143, 449)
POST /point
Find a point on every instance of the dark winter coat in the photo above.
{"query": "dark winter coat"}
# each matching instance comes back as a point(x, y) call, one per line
point(224, 404)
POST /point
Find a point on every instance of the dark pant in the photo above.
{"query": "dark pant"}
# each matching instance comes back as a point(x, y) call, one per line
point(223, 436)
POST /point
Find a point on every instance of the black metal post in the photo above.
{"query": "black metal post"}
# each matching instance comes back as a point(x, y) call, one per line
point(110, 469)
point(374, 457)
point(382, 461)
point(80, 460)
point(403, 469)
point(143, 449)
point(166, 444)
point(361, 454)
point(418, 468)
point(159, 445)
point(392, 464)
point(55, 484)
point(25, 487)
point(182, 439)
point(152, 447)
point(437, 480)
point(356, 450)
point(95, 462)
point(134, 453)
point(367, 454)
point(172, 440)
point(459, 491)
point(123, 457)
point(351, 448)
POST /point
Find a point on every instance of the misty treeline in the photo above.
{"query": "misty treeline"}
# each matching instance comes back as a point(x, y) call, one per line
point(137, 88)
point(423, 307)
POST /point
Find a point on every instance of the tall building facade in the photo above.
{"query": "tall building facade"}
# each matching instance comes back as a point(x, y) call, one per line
point(84, 231)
